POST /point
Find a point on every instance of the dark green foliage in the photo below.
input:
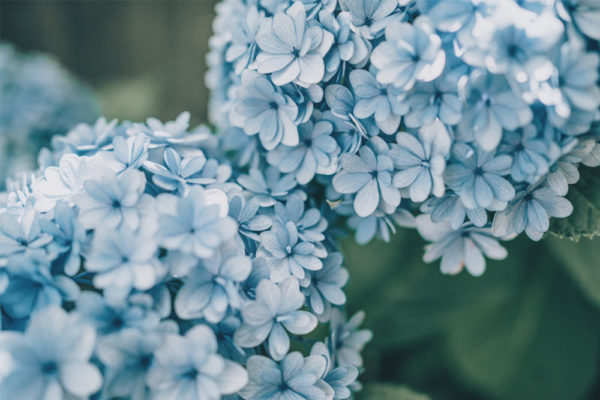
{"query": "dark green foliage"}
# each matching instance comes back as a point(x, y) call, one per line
point(529, 328)
point(585, 197)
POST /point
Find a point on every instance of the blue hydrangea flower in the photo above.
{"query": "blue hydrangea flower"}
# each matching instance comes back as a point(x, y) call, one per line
point(348, 47)
point(294, 377)
point(264, 109)
point(316, 153)
point(86, 139)
point(68, 237)
point(286, 254)
point(369, 175)
point(110, 200)
point(530, 211)
point(243, 48)
point(127, 153)
point(431, 100)
point(579, 93)
point(326, 285)
point(114, 314)
point(409, 53)
point(123, 259)
point(195, 224)
point(291, 50)
point(451, 209)
point(245, 213)
point(370, 17)
point(275, 310)
point(532, 154)
point(372, 98)
point(267, 187)
point(340, 378)
point(582, 13)
point(128, 356)
point(21, 235)
point(31, 286)
point(179, 174)
point(421, 161)
point(310, 224)
point(189, 368)
point(51, 359)
point(61, 183)
point(461, 248)
point(491, 106)
point(347, 340)
point(211, 288)
point(478, 177)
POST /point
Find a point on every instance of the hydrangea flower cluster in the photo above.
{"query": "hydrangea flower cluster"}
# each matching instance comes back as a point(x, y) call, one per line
point(137, 263)
point(54, 102)
point(465, 118)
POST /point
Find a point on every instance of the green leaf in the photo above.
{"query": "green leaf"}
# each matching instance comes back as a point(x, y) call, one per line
point(581, 260)
point(585, 220)
point(386, 391)
point(539, 340)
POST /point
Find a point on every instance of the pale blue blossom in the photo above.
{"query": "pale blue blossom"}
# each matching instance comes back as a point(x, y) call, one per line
point(122, 259)
point(245, 213)
point(110, 200)
point(130, 152)
point(584, 14)
point(274, 312)
point(287, 254)
point(461, 248)
point(213, 287)
point(431, 100)
point(86, 139)
point(421, 161)
point(340, 378)
point(291, 50)
point(295, 377)
point(21, 234)
point(316, 153)
point(243, 48)
point(269, 186)
point(385, 103)
point(451, 209)
point(32, 287)
point(410, 53)
point(128, 356)
point(51, 359)
point(326, 285)
point(530, 211)
point(347, 340)
point(369, 175)
point(264, 109)
point(478, 177)
point(179, 173)
point(68, 237)
point(348, 47)
point(532, 154)
point(195, 224)
point(310, 224)
point(111, 314)
point(490, 106)
point(576, 78)
point(370, 17)
point(189, 368)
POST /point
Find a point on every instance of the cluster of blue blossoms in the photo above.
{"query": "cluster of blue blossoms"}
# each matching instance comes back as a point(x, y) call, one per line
point(467, 119)
point(38, 99)
point(137, 263)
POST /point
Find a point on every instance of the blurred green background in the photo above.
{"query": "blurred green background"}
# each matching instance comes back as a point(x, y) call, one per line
point(528, 329)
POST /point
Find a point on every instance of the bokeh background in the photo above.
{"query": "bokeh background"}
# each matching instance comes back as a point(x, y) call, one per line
point(528, 329)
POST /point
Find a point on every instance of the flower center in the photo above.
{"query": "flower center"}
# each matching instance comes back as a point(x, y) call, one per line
point(49, 368)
